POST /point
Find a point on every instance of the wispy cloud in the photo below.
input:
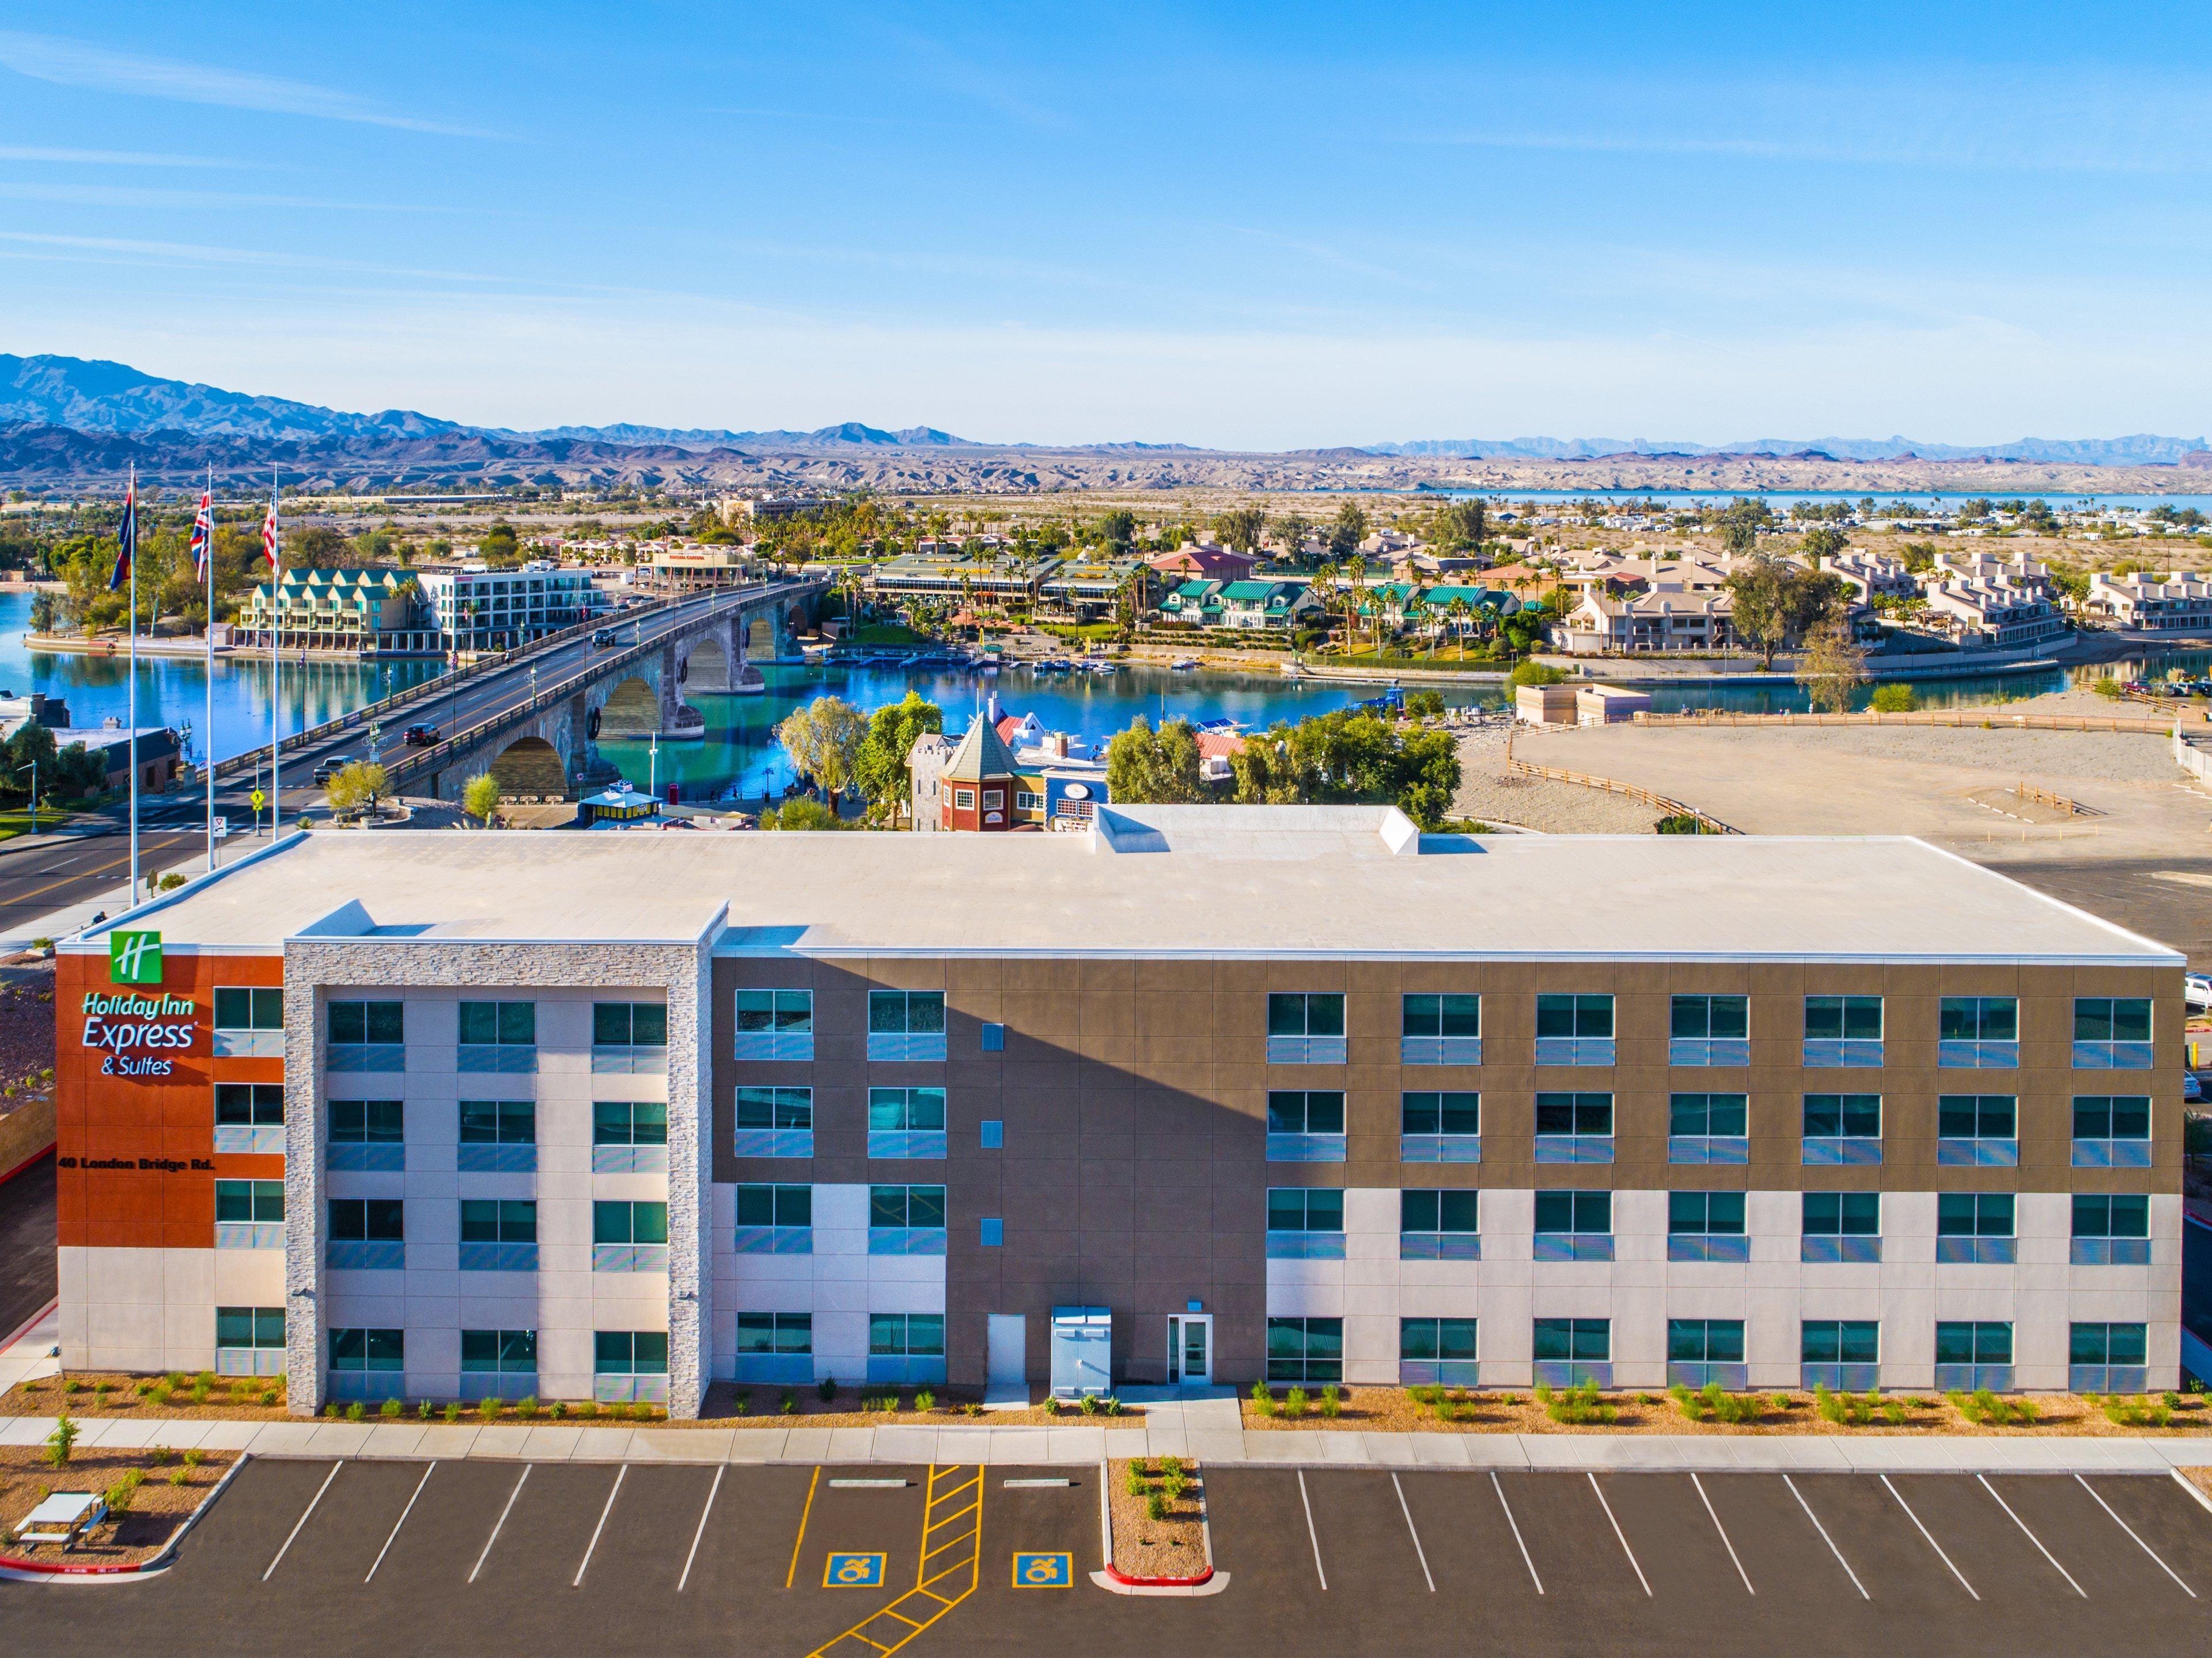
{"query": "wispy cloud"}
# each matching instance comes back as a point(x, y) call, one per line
point(75, 63)
point(125, 195)
point(132, 250)
point(107, 157)
point(935, 63)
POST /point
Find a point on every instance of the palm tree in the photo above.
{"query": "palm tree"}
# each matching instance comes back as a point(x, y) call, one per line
point(1460, 611)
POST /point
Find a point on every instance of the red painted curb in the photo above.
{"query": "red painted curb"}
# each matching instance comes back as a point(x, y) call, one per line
point(46, 1152)
point(55, 1568)
point(1120, 1576)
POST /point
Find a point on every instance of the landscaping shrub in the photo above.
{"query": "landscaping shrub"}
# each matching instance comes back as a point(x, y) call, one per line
point(827, 1388)
point(1332, 1399)
point(1578, 1405)
point(741, 1405)
point(1156, 1506)
point(1171, 1468)
point(1088, 1404)
point(161, 1392)
point(179, 1476)
point(118, 1497)
point(788, 1405)
point(453, 1411)
point(1109, 1404)
point(1984, 1409)
point(1262, 1400)
point(526, 1408)
point(488, 1407)
point(1894, 698)
point(193, 1459)
point(1134, 1481)
point(924, 1400)
point(2131, 1413)
point(390, 1409)
point(62, 1442)
point(1294, 1403)
point(586, 1410)
point(1175, 1485)
point(1845, 1410)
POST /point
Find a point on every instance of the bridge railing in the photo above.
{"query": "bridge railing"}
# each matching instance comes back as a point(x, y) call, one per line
point(444, 753)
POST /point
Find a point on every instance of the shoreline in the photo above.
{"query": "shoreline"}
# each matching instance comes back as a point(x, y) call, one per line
point(196, 649)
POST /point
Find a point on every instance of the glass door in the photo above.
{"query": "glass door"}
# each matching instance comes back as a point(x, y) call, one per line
point(1190, 1350)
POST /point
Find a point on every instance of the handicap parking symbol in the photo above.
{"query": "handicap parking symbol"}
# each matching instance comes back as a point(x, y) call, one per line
point(853, 1571)
point(1044, 1571)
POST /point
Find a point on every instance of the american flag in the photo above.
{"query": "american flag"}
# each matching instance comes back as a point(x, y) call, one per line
point(202, 537)
point(269, 539)
point(126, 538)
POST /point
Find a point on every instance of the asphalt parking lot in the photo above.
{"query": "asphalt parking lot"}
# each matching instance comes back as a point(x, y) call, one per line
point(497, 1556)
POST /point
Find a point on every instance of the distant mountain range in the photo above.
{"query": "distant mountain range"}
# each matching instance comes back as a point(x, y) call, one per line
point(63, 419)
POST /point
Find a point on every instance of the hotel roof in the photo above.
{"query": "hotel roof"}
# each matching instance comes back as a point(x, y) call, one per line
point(1208, 881)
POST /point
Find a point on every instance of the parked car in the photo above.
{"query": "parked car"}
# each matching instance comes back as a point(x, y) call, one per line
point(420, 737)
point(2197, 991)
point(2191, 1089)
point(326, 770)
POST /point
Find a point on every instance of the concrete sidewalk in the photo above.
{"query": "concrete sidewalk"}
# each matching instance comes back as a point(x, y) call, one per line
point(1085, 1445)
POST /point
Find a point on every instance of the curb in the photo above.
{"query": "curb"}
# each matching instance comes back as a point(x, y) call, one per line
point(1115, 1581)
point(57, 1573)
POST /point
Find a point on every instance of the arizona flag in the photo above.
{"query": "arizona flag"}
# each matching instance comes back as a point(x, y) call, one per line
point(126, 538)
point(269, 540)
point(202, 537)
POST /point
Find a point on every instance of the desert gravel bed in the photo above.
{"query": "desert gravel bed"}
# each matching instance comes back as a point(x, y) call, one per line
point(2103, 756)
point(1487, 793)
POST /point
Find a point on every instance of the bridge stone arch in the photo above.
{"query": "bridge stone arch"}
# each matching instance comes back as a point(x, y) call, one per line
point(530, 769)
point(631, 708)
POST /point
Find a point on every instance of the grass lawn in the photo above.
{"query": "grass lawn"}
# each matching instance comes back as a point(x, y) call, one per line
point(887, 633)
point(16, 820)
point(1446, 659)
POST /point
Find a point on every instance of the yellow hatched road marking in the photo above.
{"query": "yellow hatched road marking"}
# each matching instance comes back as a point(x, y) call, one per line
point(942, 1490)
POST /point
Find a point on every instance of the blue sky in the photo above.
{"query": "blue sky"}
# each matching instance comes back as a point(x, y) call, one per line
point(1262, 225)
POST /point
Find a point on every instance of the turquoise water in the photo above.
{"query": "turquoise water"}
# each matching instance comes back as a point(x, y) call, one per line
point(1782, 500)
point(173, 690)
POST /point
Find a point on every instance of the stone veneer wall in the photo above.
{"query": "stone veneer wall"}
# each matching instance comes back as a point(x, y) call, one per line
point(313, 968)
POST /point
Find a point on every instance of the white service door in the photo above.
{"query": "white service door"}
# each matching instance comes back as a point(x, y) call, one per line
point(1007, 1336)
point(1190, 1349)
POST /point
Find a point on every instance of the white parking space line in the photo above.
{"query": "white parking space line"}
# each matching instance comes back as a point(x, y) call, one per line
point(500, 1523)
point(1621, 1534)
point(2140, 1544)
point(584, 1564)
point(1930, 1536)
point(1723, 1530)
point(701, 1532)
point(1421, 1552)
point(2033, 1538)
point(1312, 1535)
point(401, 1520)
point(1517, 1538)
point(302, 1520)
point(1825, 1538)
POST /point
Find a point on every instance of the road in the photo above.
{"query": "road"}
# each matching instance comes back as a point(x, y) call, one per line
point(38, 877)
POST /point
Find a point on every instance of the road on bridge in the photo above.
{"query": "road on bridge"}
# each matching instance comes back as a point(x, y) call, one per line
point(37, 876)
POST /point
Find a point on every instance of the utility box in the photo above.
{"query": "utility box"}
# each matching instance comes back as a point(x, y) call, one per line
point(1545, 705)
point(1082, 1351)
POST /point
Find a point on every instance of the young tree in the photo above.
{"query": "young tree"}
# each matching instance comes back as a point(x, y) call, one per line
point(1764, 590)
point(823, 740)
point(1145, 767)
point(1824, 541)
point(480, 798)
point(361, 784)
point(1241, 528)
point(1346, 531)
point(800, 814)
point(879, 769)
point(1832, 666)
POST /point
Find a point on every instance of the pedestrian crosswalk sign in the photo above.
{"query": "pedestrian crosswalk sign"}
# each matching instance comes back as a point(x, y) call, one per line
point(259, 798)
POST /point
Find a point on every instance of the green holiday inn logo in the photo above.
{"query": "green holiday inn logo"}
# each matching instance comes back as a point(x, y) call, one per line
point(134, 958)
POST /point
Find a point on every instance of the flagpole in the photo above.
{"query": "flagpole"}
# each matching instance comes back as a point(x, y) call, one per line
point(130, 511)
point(207, 740)
point(276, 671)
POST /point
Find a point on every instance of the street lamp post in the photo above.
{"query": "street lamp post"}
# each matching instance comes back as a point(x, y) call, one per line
point(33, 769)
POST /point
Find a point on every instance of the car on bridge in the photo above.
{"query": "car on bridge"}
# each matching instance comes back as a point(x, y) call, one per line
point(604, 636)
point(420, 737)
point(326, 770)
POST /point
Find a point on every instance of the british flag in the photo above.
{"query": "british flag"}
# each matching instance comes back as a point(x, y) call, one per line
point(126, 538)
point(202, 537)
point(268, 537)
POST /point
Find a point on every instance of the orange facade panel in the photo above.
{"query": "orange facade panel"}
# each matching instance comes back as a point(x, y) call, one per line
point(134, 1075)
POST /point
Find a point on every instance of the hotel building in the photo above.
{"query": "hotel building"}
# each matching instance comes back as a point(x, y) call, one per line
point(1290, 1092)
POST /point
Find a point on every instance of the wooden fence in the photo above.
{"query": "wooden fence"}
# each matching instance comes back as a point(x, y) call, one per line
point(1985, 718)
point(1665, 805)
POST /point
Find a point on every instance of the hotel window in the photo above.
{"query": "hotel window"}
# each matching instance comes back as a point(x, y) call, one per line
point(1570, 1351)
point(1975, 1227)
point(906, 1348)
point(498, 1236)
point(249, 1117)
point(249, 1341)
point(1979, 1033)
point(1980, 1131)
point(499, 1036)
point(1841, 1226)
point(2112, 1131)
point(2112, 1032)
point(369, 1350)
point(1305, 1126)
point(906, 1122)
point(1305, 1028)
point(1842, 1030)
point(630, 1136)
point(1708, 1128)
point(629, 1236)
point(1440, 1030)
point(1841, 1128)
point(356, 1220)
point(494, 1362)
point(366, 1036)
point(1842, 1354)
point(906, 1220)
point(498, 1137)
point(1574, 1225)
point(1706, 1226)
point(630, 1038)
point(1705, 1352)
point(775, 1122)
point(1305, 1223)
point(2112, 1230)
point(1972, 1356)
point(775, 1024)
point(249, 1024)
point(775, 1220)
point(905, 1025)
point(1438, 1224)
point(1574, 1030)
point(1308, 1351)
point(1574, 1128)
point(1710, 1031)
point(1440, 1127)
point(1434, 1352)
point(776, 1347)
point(249, 1214)
point(2107, 1358)
point(630, 1364)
